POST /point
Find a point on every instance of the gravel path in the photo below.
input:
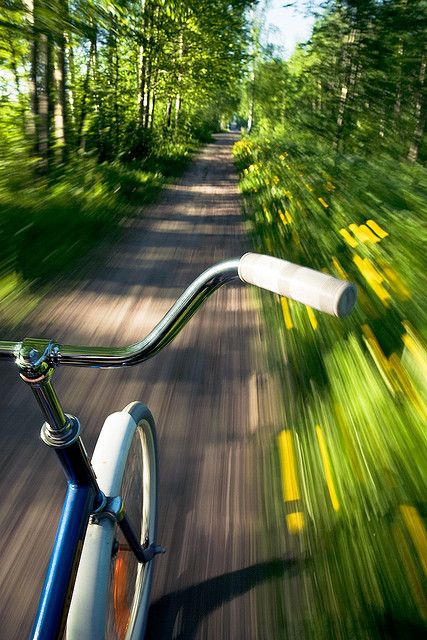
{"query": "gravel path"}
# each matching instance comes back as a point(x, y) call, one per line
point(213, 402)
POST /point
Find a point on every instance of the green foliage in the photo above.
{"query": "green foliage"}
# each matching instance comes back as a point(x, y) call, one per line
point(51, 222)
point(333, 179)
point(358, 381)
point(358, 84)
point(298, 198)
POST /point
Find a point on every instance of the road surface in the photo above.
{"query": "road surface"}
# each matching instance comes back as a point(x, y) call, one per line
point(216, 407)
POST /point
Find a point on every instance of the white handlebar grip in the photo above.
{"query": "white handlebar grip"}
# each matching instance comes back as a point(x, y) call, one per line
point(316, 289)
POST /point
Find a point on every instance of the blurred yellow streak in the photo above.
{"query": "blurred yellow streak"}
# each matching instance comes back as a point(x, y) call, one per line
point(396, 282)
point(392, 371)
point(8, 284)
point(374, 344)
point(338, 268)
point(312, 317)
point(366, 235)
point(375, 227)
point(378, 355)
point(282, 217)
point(268, 214)
point(327, 469)
point(415, 526)
point(348, 238)
point(290, 486)
point(323, 203)
point(373, 277)
point(289, 218)
point(411, 571)
point(286, 313)
point(295, 522)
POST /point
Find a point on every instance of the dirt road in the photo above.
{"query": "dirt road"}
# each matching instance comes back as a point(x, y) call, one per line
point(216, 411)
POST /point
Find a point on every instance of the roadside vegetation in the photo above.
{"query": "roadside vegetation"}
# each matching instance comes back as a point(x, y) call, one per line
point(100, 104)
point(333, 176)
point(49, 223)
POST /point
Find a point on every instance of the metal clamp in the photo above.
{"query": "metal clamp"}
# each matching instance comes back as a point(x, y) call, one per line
point(114, 510)
point(36, 358)
point(63, 437)
point(111, 508)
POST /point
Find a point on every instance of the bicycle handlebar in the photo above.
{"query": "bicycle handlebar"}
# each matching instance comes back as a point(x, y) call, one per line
point(313, 288)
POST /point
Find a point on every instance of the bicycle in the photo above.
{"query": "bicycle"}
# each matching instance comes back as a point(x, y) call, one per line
point(99, 576)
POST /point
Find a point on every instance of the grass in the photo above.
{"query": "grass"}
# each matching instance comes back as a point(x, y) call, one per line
point(357, 405)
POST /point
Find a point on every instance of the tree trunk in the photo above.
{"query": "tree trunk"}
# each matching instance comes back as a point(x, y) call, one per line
point(60, 115)
point(419, 115)
point(143, 51)
point(71, 104)
point(169, 113)
point(61, 82)
point(86, 84)
point(347, 87)
point(116, 98)
point(177, 110)
point(33, 121)
point(21, 100)
point(43, 91)
point(251, 109)
point(51, 98)
point(398, 90)
point(152, 101)
point(178, 99)
point(140, 58)
point(148, 97)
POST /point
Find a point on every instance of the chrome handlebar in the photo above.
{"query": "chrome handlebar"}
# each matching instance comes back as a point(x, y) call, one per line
point(175, 319)
point(314, 288)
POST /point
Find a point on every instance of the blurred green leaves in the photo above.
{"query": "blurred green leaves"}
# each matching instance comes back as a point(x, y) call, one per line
point(356, 405)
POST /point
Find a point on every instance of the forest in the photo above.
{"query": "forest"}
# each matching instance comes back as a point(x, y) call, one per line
point(103, 102)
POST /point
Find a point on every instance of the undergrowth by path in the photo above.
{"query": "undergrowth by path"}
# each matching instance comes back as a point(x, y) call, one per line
point(355, 422)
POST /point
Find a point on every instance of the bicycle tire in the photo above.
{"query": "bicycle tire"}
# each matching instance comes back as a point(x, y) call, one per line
point(112, 590)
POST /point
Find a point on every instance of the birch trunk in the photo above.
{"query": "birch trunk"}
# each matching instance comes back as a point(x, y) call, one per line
point(32, 123)
point(60, 102)
point(86, 84)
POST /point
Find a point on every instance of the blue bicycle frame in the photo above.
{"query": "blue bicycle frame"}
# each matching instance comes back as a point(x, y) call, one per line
point(55, 600)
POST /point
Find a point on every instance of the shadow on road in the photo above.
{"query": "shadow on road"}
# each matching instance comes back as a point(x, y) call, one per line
point(178, 614)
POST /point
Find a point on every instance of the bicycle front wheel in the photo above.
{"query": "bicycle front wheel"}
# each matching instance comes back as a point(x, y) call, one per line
point(111, 595)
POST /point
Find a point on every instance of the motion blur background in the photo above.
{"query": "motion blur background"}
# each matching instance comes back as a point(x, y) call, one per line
point(103, 103)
